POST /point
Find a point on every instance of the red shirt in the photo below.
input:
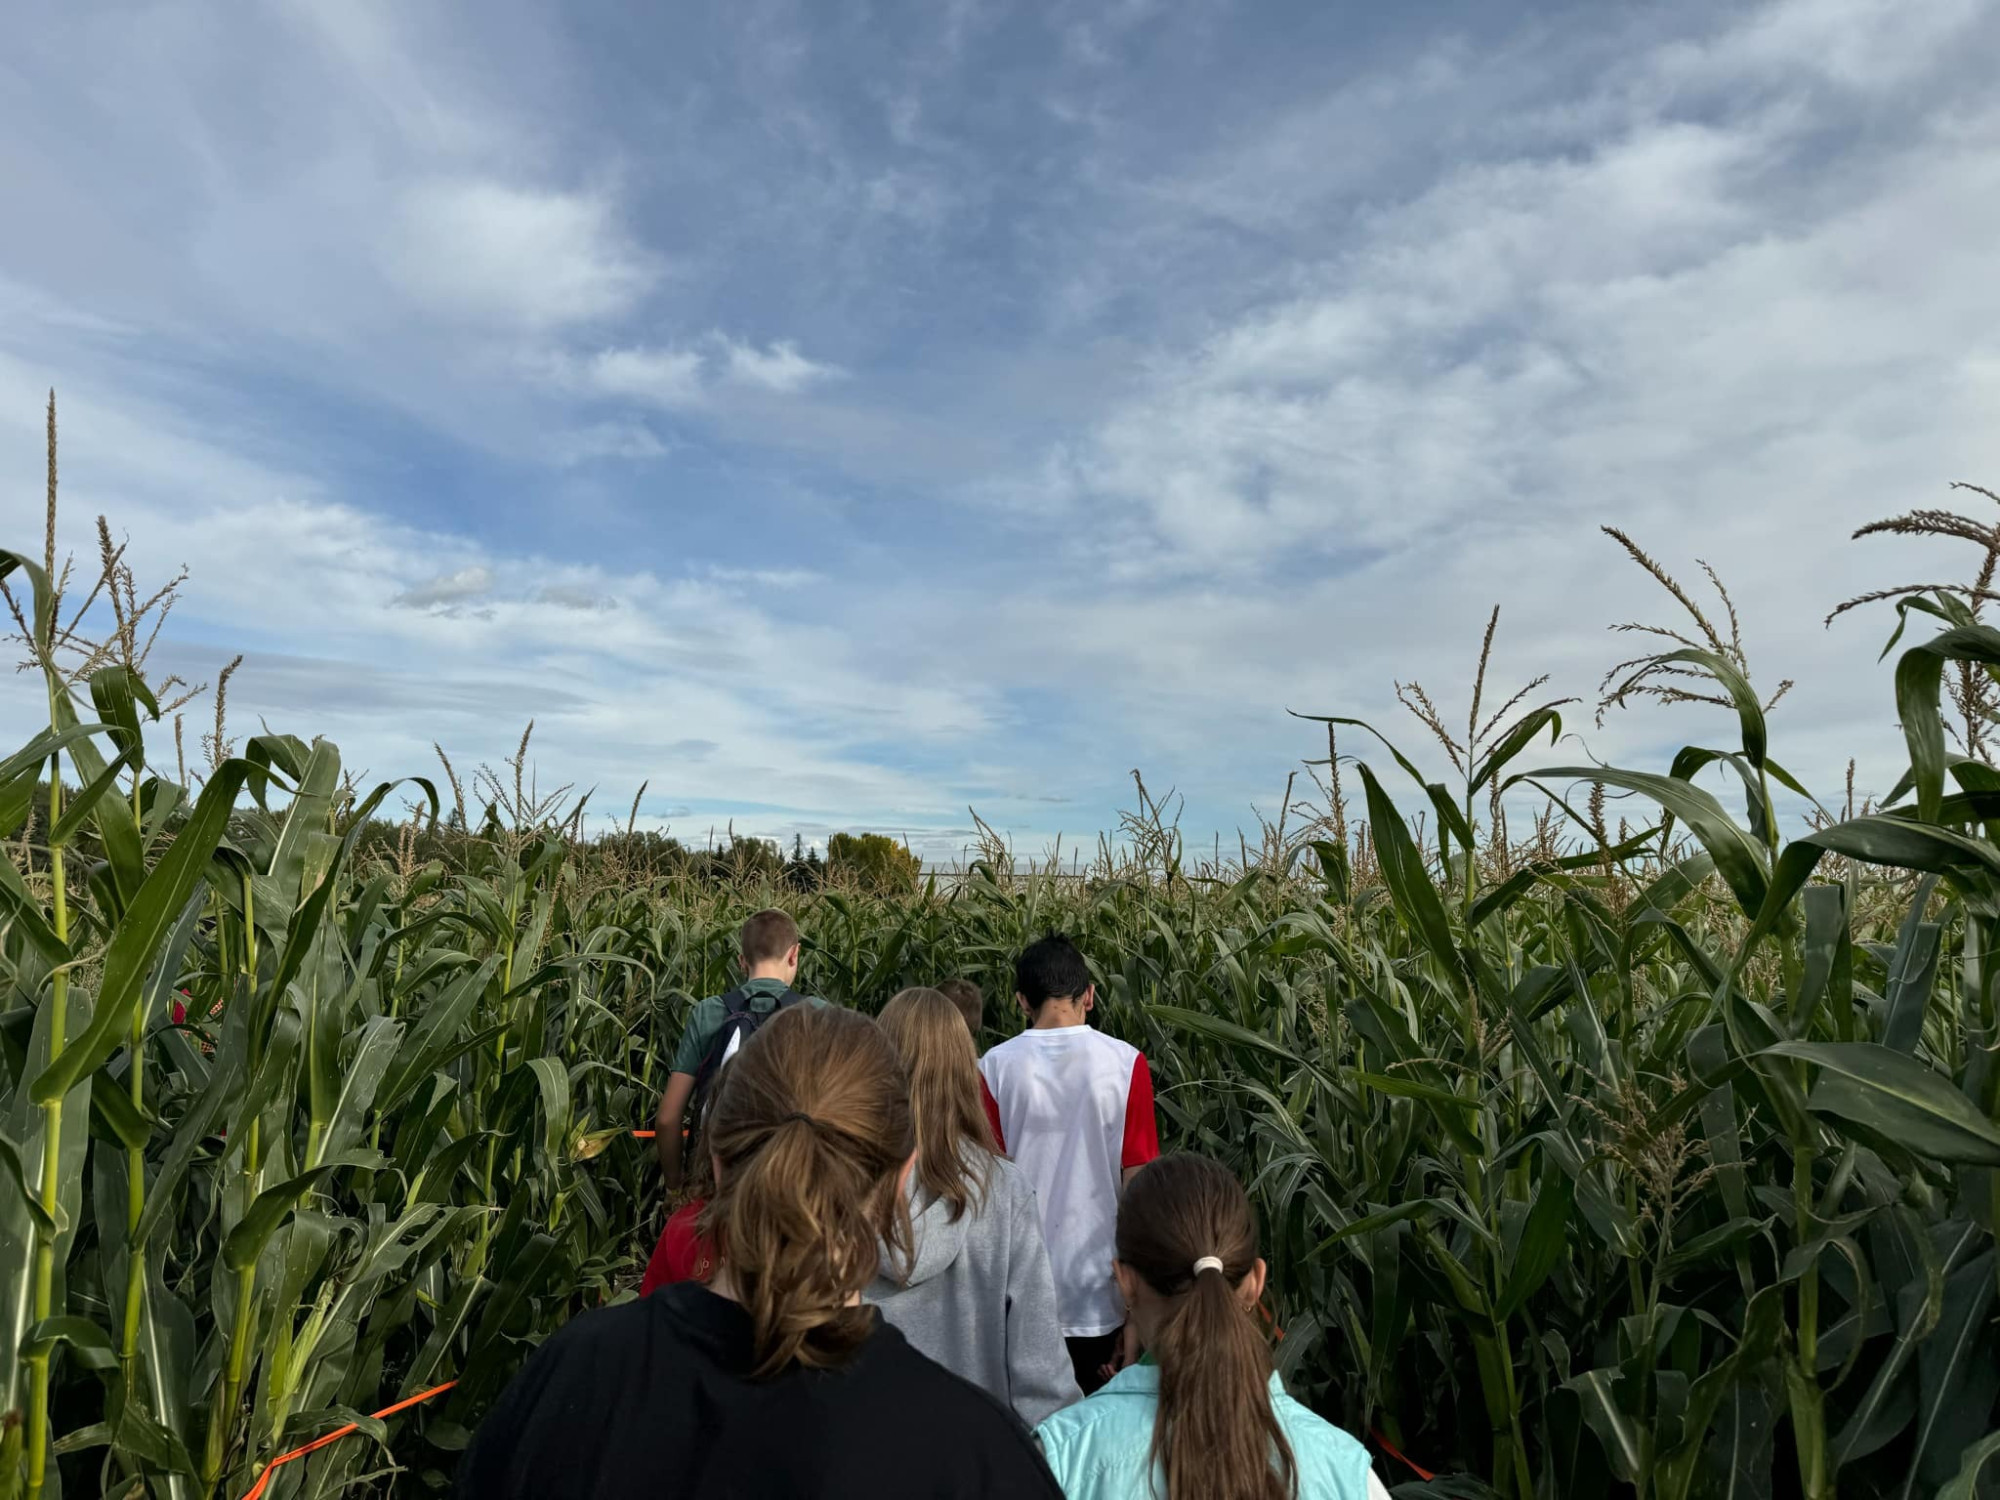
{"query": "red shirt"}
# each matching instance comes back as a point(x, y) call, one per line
point(682, 1254)
point(992, 1107)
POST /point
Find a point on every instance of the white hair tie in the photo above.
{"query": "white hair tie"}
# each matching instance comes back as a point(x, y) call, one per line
point(1207, 1263)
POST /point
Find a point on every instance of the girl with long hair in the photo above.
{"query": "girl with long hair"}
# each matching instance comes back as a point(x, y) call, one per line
point(1203, 1416)
point(774, 1378)
point(973, 1289)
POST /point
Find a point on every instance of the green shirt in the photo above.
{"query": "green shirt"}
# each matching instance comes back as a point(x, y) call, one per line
point(708, 1017)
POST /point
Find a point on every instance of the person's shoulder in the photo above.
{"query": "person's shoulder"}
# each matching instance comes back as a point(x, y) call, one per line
point(1121, 1051)
point(929, 1386)
point(946, 1404)
point(1017, 1050)
point(598, 1337)
point(1110, 1432)
point(1318, 1444)
point(1008, 1179)
point(1010, 1192)
point(707, 1010)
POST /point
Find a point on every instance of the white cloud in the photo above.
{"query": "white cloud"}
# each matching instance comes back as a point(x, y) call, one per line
point(780, 367)
point(575, 596)
point(668, 378)
point(698, 684)
point(631, 441)
point(686, 377)
point(1264, 410)
point(1530, 335)
point(475, 582)
point(768, 578)
point(496, 253)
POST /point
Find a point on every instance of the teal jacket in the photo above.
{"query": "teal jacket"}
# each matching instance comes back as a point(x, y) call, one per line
point(1098, 1448)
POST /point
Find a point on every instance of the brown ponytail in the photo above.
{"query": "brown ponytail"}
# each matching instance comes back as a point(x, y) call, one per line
point(810, 1129)
point(1215, 1436)
point(955, 1146)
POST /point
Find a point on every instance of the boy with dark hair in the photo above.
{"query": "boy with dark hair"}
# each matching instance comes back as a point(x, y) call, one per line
point(768, 951)
point(1075, 1108)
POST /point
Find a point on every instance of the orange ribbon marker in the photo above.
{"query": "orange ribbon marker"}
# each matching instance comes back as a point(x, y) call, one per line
point(257, 1490)
point(1391, 1449)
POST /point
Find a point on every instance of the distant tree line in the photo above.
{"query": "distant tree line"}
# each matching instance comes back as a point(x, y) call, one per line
point(872, 861)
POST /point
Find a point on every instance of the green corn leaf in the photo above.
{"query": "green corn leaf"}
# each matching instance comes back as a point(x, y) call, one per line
point(553, 1085)
point(1912, 973)
point(193, 1133)
point(1514, 742)
point(245, 1243)
point(1618, 1430)
point(1896, 1097)
point(1544, 1241)
point(15, 1174)
point(1762, 1322)
point(1919, 679)
point(1828, 955)
point(44, 596)
point(89, 1344)
point(1957, 1376)
point(138, 935)
point(119, 693)
point(1408, 880)
point(1964, 1485)
point(82, 805)
point(110, 1103)
point(1919, 1304)
point(32, 759)
point(1739, 858)
point(360, 1079)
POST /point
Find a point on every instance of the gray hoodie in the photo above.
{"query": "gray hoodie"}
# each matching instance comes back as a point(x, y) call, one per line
point(979, 1298)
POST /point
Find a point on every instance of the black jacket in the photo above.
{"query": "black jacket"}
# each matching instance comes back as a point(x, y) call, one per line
point(654, 1399)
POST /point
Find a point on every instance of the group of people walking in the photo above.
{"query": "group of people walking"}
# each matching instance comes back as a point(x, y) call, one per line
point(905, 1269)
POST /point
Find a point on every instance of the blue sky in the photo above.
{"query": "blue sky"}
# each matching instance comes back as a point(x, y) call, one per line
point(838, 416)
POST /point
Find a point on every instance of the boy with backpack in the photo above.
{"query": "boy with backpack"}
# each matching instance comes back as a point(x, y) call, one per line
point(1076, 1114)
point(768, 949)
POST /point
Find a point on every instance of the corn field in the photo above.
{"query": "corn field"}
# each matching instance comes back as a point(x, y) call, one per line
point(1656, 1160)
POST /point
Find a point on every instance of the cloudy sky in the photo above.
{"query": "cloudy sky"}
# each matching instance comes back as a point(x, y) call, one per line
point(839, 416)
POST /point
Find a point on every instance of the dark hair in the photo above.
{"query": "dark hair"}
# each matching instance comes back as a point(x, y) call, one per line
point(955, 1145)
point(1215, 1436)
point(1050, 969)
point(767, 936)
point(970, 1002)
point(810, 1130)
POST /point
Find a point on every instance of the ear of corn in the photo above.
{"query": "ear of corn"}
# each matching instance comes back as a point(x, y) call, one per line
point(1653, 1160)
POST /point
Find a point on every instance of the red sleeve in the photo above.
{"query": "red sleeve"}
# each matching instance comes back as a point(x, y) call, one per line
point(992, 1108)
point(681, 1255)
point(657, 1272)
point(1142, 1127)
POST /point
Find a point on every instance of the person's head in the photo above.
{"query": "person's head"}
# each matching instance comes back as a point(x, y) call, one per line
point(768, 946)
point(1187, 1264)
point(971, 1004)
point(1051, 970)
point(810, 1134)
point(955, 1144)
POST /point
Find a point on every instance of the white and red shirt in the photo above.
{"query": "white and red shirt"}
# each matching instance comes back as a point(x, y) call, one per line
point(1074, 1109)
